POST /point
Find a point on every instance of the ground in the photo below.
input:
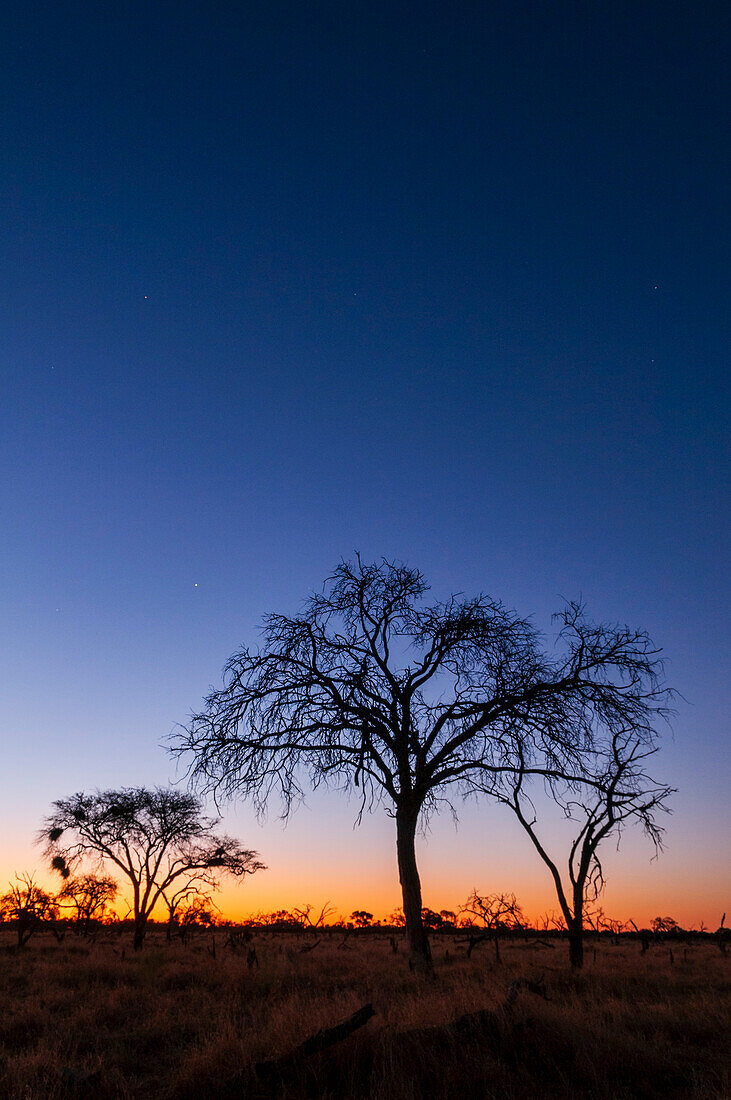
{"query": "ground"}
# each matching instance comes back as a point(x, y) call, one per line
point(175, 1021)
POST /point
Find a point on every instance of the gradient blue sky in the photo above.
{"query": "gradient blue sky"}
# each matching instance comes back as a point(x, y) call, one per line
point(444, 283)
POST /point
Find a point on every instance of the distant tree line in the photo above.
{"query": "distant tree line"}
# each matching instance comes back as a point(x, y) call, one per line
point(82, 905)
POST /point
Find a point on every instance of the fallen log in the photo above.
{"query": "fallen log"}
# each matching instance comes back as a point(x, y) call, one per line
point(321, 1040)
point(276, 1071)
point(486, 1023)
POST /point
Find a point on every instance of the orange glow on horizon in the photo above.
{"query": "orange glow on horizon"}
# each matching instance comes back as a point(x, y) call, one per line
point(321, 859)
point(238, 905)
point(237, 901)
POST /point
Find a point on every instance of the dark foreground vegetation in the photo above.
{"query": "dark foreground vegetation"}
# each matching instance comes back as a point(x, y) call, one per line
point(227, 1016)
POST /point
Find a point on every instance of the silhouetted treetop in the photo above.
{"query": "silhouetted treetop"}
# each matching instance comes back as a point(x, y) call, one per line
point(369, 684)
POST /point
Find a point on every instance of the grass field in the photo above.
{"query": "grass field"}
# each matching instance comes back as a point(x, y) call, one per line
point(173, 1021)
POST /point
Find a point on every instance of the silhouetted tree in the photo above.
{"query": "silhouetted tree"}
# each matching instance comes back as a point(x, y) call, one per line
point(431, 920)
point(284, 920)
point(371, 688)
point(663, 925)
point(494, 912)
point(89, 895)
point(198, 911)
point(311, 918)
point(615, 790)
point(361, 919)
point(603, 923)
point(27, 906)
point(159, 839)
point(550, 920)
point(186, 903)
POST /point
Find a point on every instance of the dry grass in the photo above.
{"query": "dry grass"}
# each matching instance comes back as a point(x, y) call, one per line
point(96, 1020)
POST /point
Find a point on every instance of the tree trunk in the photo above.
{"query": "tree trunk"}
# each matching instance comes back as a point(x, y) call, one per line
point(418, 940)
point(140, 930)
point(576, 944)
point(26, 928)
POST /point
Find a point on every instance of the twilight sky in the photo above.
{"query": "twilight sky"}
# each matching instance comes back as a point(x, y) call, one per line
point(444, 283)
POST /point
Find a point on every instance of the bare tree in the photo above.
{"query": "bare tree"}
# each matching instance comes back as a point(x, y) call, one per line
point(311, 918)
point(159, 839)
point(89, 895)
point(198, 911)
point(603, 923)
point(370, 688)
point(183, 901)
point(615, 790)
point(495, 912)
point(28, 906)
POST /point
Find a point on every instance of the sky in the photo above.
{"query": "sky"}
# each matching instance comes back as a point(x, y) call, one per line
point(280, 282)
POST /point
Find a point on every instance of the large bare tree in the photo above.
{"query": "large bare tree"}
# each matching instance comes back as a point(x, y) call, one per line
point(371, 687)
point(614, 791)
point(158, 839)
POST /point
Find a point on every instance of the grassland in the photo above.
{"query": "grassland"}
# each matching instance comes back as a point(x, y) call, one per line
point(96, 1020)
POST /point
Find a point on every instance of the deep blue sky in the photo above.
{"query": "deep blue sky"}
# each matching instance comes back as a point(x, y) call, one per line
point(440, 282)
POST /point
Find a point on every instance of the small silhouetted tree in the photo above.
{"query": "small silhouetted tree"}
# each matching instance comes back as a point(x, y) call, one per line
point(369, 687)
point(284, 920)
point(615, 791)
point(199, 911)
point(549, 921)
point(184, 901)
point(88, 895)
point(312, 918)
point(495, 913)
point(159, 839)
point(27, 905)
point(361, 919)
point(661, 926)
